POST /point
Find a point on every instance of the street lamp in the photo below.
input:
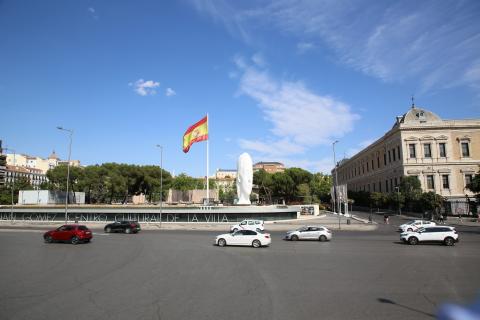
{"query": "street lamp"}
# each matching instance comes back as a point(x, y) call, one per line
point(397, 189)
point(335, 184)
point(161, 181)
point(70, 132)
point(13, 179)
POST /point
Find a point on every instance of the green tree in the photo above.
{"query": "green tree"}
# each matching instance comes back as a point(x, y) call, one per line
point(474, 186)
point(263, 180)
point(283, 186)
point(430, 201)
point(303, 192)
point(320, 186)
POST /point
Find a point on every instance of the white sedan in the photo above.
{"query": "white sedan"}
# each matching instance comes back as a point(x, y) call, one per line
point(309, 233)
point(414, 225)
point(244, 238)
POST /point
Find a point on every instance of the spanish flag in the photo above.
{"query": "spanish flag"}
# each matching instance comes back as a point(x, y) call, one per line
point(196, 133)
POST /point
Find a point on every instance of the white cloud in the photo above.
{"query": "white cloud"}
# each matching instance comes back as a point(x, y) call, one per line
point(93, 13)
point(170, 92)
point(300, 119)
point(295, 112)
point(303, 47)
point(434, 43)
point(362, 145)
point(259, 60)
point(276, 148)
point(145, 88)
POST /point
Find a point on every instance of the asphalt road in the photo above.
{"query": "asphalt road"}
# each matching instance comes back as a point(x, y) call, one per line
point(181, 275)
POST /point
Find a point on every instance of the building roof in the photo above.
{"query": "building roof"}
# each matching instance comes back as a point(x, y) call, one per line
point(417, 115)
point(269, 163)
point(53, 155)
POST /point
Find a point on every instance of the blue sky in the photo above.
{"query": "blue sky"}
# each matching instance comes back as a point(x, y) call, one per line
point(280, 79)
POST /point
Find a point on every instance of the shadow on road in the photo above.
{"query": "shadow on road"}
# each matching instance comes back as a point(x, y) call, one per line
point(388, 301)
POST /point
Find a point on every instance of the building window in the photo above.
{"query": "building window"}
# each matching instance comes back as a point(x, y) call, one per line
point(398, 153)
point(445, 182)
point(379, 186)
point(443, 150)
point(389, 156)
point(430, 182)
point(468, 179)
point(367, 166)
point(465, 150)
point(411, 148)
point(386, 185)
point(396, 184)
point(393, 152)
point(427, 150)
point(378, 162)
point(372, 164)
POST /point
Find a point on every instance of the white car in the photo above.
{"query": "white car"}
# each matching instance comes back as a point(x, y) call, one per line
point(255, 225)
point(309, 233)
point(444, 234)
point(414, 225)
point(244, 238)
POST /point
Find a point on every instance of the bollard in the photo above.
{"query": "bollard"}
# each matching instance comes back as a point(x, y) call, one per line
point(348, 221)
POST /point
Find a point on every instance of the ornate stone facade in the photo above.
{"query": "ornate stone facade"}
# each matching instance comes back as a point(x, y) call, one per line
point(443, 154)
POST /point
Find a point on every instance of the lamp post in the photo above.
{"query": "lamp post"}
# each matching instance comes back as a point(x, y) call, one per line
point(335, 183)
point(161, 181)
point(70, 132)
point(397, 189)
point(13, 179)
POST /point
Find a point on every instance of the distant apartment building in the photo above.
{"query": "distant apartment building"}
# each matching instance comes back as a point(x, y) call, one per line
point(27, 161)
point(32, 167)
point(35, 176)
point(443, 154)
point(225, 178)
point(270, 167)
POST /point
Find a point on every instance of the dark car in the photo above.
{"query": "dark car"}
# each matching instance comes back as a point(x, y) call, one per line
point(71, 233)
point(123, 226)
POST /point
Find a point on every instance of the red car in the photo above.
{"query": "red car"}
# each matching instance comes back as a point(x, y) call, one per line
point(72, 233)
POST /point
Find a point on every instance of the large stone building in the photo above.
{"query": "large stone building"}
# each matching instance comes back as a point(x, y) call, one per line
point(443, 154)
point(270, 167)
point(27, 161)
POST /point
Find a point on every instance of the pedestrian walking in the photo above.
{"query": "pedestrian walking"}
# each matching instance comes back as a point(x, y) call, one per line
point(385, 219)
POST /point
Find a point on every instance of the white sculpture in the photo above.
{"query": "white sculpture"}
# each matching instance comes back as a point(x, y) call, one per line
point(244, 178)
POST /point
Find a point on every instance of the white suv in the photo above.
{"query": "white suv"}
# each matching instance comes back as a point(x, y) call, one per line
point(414, 225)
point(444, 234)
point(255, 225)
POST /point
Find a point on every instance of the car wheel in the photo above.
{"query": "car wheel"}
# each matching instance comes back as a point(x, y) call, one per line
point(222, 242)
point(75, 240)
point(413, 240)
point(294, 237)
point(256, 244)
point(322, 238)
point(449, 241)
point(409, 229)
point(48, 239)
point(128, 230)
point(108, 229)
point(234, 230)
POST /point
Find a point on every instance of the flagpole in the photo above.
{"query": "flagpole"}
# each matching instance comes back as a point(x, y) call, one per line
point(208, 141)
